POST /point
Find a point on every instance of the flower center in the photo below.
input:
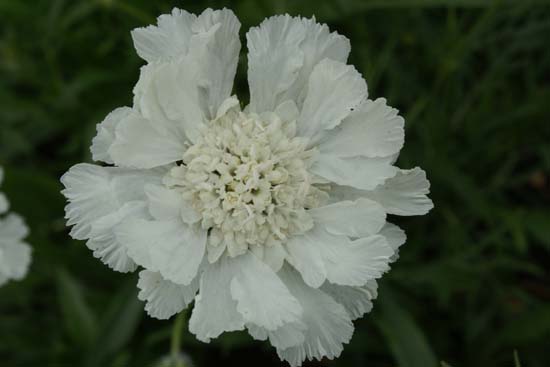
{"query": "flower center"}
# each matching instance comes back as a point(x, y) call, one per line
point(248, 178)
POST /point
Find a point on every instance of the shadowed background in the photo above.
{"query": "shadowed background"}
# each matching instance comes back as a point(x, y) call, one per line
point(471, 78)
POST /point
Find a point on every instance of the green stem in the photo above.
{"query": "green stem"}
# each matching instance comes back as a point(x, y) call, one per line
point(175, 344)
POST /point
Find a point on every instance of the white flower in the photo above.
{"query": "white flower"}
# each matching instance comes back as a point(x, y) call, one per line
point(15, 255)
point(272, 218)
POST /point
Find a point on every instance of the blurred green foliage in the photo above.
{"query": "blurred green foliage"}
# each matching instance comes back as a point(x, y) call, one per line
point(472, 79)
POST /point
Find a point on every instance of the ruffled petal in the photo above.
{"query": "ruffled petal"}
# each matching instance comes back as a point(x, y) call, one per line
point(356, 300)
point(181, 95)
point(103, 241)
point(359, 218)
point(106, 134)
point(261, 297)
point(162, 297)
point(318, 44)
point(404, 194)
point(217, 56)
point(97, 205)
point(395, 236)
point(372, 130)
point(168, 39)
point(289, 335)
point(94, 192)
point(283, 51)
point(334, 90)
point(274, 60)
point(359, 172)
point(215, 310)
point(351, 262)
point(328, 324)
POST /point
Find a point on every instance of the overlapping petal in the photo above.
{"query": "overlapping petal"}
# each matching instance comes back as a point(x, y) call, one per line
point(359, 218)
point(162, 297)
point(168, 39)
point(358, 172)
point(100, 198)
point(171, 247)
point(319, 255)
point(372, 130)
point(328, 324)
point(215, 309)
point(283, 51)
point(334, 90)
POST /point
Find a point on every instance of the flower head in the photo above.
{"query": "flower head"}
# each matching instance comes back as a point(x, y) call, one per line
point(15, 255)
point(271, 217)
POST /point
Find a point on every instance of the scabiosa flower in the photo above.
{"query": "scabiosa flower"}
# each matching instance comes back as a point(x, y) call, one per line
point(15, 255)
point(271, 217)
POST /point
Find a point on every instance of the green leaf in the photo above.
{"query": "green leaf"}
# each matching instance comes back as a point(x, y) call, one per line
point(78, 318)
point(406, 341)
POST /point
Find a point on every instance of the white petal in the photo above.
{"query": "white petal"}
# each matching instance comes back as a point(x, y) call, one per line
point(261, 297)
point(168, 94)
point(167, 40)
point(182, 95)
point(328, 324)
point(372, 130)
point(274, 256)
point(103, 241)
point(227, 105)
point(215, 252)
point(360, 172)
point(217, 56)
point(289, 335)
point(13, 228)
point(106, 134)
point(356, 300)
point(339, 193)
point(164, 298)
point(100, 198)
point(215, 311)
point(334, 89)
point(274, 60)
point(395, 237)
point(172, 248)
point(140, 144)
point(287, 111)
point(304, 256)
point(319, 43)
point(351, 262)
point(136, 236)
point(283, 52)
point(404, 194)
point(257, 332)
point(166, 204)
point(94, 192)
point(359, 218)
point(15, 258)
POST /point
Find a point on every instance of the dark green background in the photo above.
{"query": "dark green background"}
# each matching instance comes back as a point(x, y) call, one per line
point(471, 78)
